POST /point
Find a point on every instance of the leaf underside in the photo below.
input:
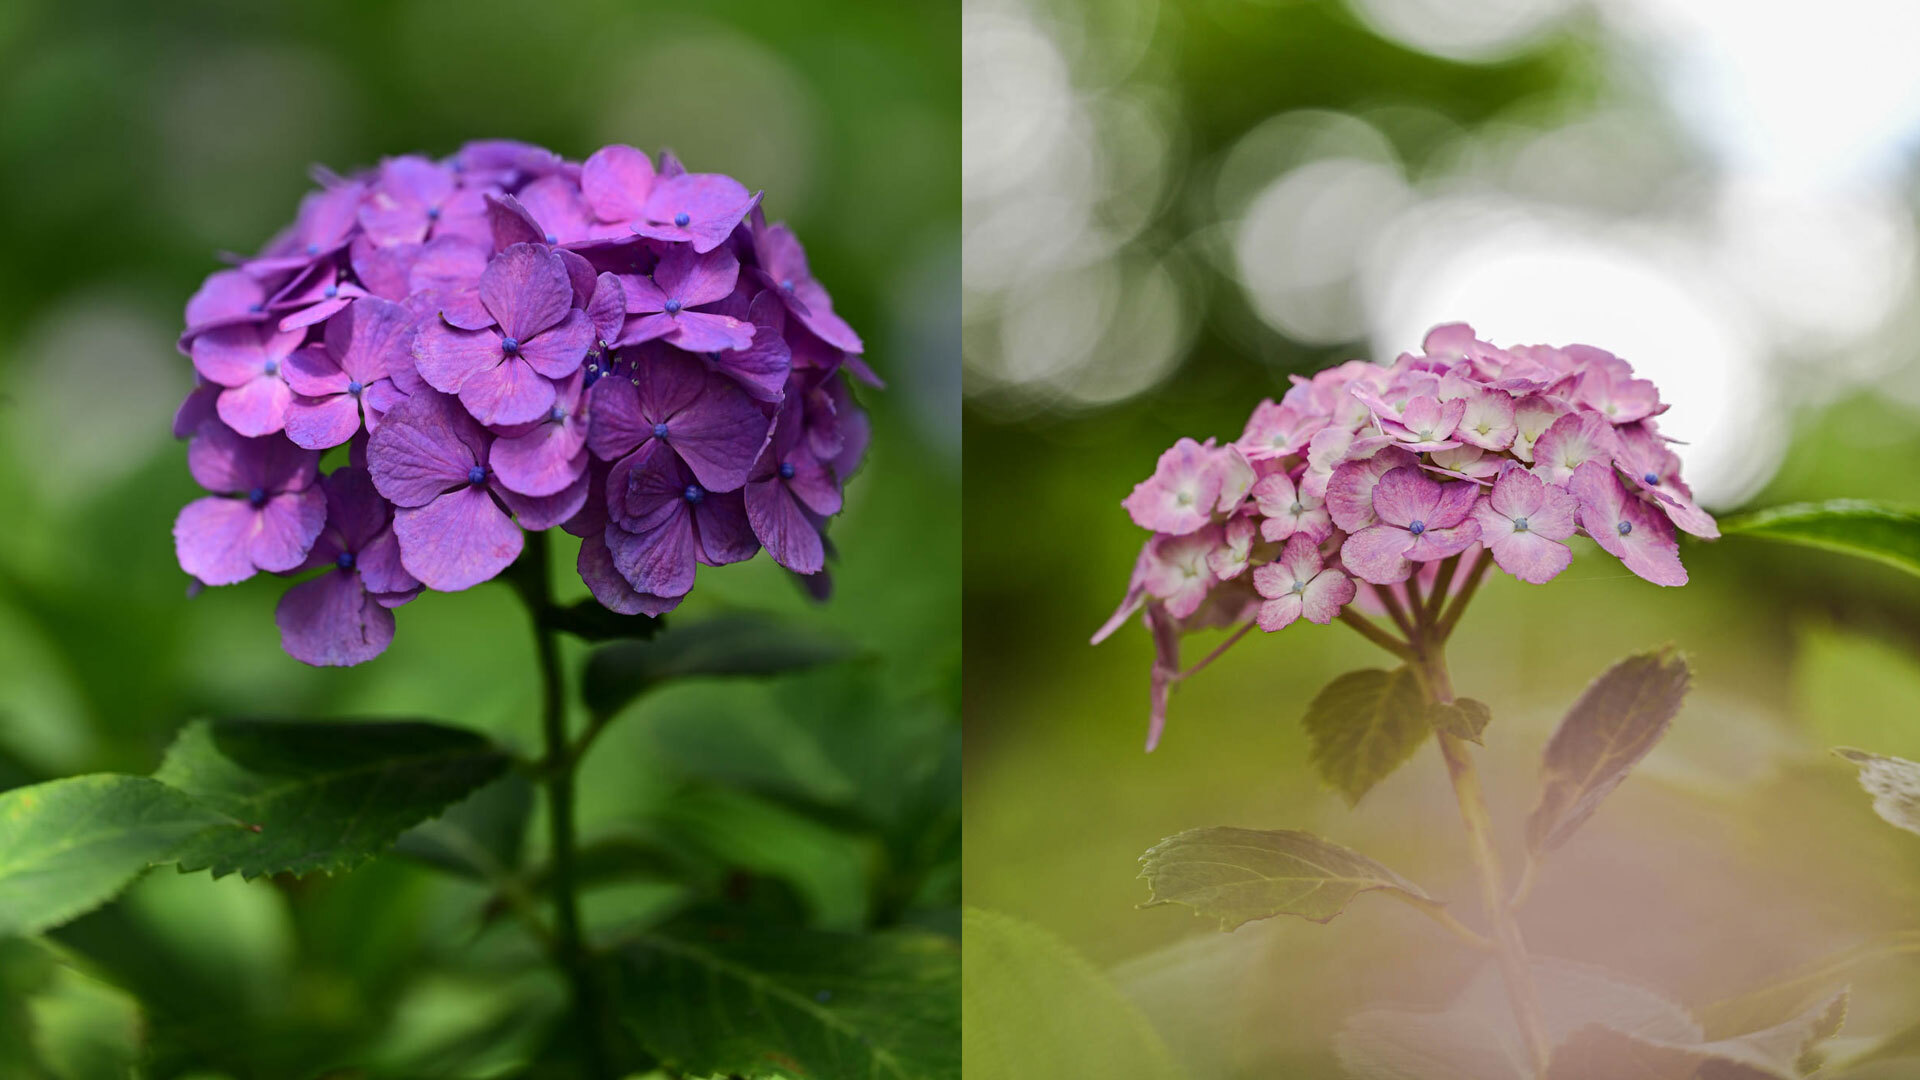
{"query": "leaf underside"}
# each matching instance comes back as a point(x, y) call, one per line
point(729, 999)
point(1240, 875)
point(70, 845)
point(1364, 725)
point(319, 795)
point(1617, 720)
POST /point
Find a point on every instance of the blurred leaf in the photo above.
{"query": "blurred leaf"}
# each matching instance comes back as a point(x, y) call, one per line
point(741, 643)
point(1598, 1052)
point(742, 830)
point(1239, 875)
point(481, 836)
point(317, 795)
point(759, 1001)
point(1894, 784)
point(1364, 725)
point(1032, 1007)
point(1887, 534)
point(1474, 1037)
point(85, 1029)
point(1900, 1045)
point(1617, 720)
point(1463, 718)
point(68, 846)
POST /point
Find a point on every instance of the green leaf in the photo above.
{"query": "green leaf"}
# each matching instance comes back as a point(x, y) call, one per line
point(1365, 724)
point(1239, 875)
point(1619, 718)
point(316, 795)
point(481, 837)
point(1032, 1007)
point(1894, 784)
point(84, 1028)
point(68, 846)
point(1598, 1052)
point(742, 643)
point(759, 1001)
point(589, 621)
point(1887, 534)
point(1463, 718)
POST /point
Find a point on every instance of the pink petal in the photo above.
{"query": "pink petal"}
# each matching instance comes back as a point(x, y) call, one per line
point(322, 422)
point(210, 538)
point(256, 407)
point(1377, 554)
point(616, 181)
point(285, 529)
point(1278, 614)
point(456, 541)
point(1326, 594)
point(1530, 556)
point(1406, 495)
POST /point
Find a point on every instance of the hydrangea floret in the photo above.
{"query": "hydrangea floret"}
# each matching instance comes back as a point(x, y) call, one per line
point(504, 341)
point(1367, 484)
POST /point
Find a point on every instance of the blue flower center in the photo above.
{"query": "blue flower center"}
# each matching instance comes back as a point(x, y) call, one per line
point(786, 284)
point(694, 494)
point(681, 219)
point(1296, 509)
point(257, 498)
point(556, 414)
point(331, 292)
point(256, 308)
point(660, 430)
point(1299, 588)
point(671, 307)
point(271, 367)
point(477, 474)
point(1625, 527)
point(552, 239)
point(1519, 524)
point(786, 470)
point(511, 346)
point(1652, 479)
point(354, 388)
point(345, 561)
point(1417, 528)
point(433, 213)
point(313, 249)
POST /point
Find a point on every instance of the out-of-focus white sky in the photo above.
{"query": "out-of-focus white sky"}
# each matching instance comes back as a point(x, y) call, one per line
point(1746, 239)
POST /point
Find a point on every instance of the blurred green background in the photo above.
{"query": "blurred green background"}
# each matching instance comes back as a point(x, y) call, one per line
point(139, 140)
point(1172, 206)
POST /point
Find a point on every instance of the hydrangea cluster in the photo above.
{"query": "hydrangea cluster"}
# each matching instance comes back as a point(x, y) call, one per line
point(504, 340)
point(1366, 476)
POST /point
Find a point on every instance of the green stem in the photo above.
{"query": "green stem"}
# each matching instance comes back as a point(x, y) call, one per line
point(1510, 948)
point(559, 767)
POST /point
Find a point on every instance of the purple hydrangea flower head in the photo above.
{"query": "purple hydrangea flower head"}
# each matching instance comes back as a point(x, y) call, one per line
point(264, 513)
point(1416, 476)
point(503, 341)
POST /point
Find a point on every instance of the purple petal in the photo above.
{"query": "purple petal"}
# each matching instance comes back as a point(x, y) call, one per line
point(556, 205)
point(378, 562)
point(371, 338)
point(330, 621)
point(447, 278)
point(257, 406)
point(607, 308)
point(559, 351)
point(195, 409)
point(609, 588)
point(617, 425)
point(544, 512)
point(616, 181)
point(424, 447)
point(717, 429)
point(726, 534)
point(643, 295)
point(512, 223)
point(697, 279)
point(512, 393)
point(710, 204)
point(226, 296)
point(285, 528)
point(542, 461)
point(210, 538)
point(660, 561)
point(647, 487)
point(789, 537)
point(312, 372)
point(383, 270)
point(446, 357)
point(701, 332)
point(318, 423)
point(526, 289)
point(456, 541)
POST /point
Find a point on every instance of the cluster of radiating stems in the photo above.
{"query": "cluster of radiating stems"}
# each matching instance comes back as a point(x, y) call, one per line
point(1425, 623)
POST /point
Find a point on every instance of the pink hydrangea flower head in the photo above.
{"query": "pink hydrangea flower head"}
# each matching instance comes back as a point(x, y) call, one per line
point(1524, 523)
point(1627, 526)
point(1288, 511)
point(1183, 492)
point(1419, 520)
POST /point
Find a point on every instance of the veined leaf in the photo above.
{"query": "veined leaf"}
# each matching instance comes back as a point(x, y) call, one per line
point(1619, 718)
point(1888, 534)
point(1598, 1052)
point(1894, 784)
point(1032, 1007)
point(1239, 875)
point(315, 795)
point(735, 644)
point(734, 999)
point(1365, 724)
point(1463, 718)
point(68, 846)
